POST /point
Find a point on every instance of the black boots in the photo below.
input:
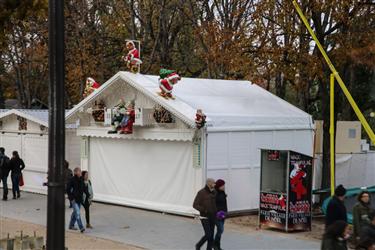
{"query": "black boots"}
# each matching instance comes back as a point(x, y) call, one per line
point(217, 246)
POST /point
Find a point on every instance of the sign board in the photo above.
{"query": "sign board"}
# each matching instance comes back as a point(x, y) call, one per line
point(300, 179)
point(272, 212)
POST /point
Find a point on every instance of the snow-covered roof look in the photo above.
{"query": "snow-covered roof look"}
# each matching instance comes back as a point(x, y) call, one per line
point(228, 104)
point(39, 116)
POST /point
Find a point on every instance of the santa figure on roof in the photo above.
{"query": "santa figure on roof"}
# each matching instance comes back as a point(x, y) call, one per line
point(91, 86)
point(167, 79)
point(132, 59)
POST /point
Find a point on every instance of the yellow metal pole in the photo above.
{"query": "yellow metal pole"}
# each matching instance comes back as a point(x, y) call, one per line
point(332, 131)
point(357, 111)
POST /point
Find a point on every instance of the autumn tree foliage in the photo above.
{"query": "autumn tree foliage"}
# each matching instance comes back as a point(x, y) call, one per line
point(259, 40)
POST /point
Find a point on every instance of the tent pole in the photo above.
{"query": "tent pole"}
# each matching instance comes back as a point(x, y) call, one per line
point(332, 131)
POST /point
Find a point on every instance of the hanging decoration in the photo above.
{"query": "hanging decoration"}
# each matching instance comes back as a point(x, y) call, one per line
point(167, 79)
point(161, 115)
point(132, 59)
point(22, 123)
point(98, 111)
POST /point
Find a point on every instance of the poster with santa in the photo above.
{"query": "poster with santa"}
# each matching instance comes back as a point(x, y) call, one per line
point(299, 196)
point(272, 212)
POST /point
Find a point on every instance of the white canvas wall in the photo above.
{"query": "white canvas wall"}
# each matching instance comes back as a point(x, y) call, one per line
point(352, 170)
point(33, 149)
point(156, 175)
point(235, 157)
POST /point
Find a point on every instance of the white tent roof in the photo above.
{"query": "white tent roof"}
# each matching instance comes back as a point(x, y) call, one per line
point(228, 104)
point(39, 116)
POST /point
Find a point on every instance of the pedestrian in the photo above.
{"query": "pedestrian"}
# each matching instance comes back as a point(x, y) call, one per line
point(4, 172)
point(205, 203)
point(222, 210)
point(16, 166)
point(88, 195)
point(361, 212)
point(75, 190)
point(336, 209)
point(68, 173)
point(366, 244)
point(368, 230)
point(336, 236)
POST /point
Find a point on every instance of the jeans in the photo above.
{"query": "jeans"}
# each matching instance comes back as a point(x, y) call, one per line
point(219, 231)
point(209, 228)
point(16, 184)
point(76, 216)
point(4, 179)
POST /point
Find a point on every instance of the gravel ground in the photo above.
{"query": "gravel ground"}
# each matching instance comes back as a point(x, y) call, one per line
point(73, 240)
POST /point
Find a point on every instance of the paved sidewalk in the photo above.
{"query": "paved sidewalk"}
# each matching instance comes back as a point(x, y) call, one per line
point(151, 230)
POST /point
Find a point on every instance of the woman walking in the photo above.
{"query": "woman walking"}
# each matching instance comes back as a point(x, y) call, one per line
point(335, 236)
point(222, 209)
point(16, 166)
point(88, 195)
point(361, 213)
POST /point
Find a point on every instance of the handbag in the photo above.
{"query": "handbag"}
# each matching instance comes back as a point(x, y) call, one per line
point(21, 183)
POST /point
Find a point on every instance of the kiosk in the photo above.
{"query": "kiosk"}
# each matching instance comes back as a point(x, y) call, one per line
point(285, 190)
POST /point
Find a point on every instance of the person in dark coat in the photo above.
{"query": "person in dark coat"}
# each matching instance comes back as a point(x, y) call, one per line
point(16, 166)
point(4, 172)
point(361, 212)
point(336, 209)
point(367, 232)
point(68, 175)
point(336, 236)
point(75, 189)
point(222, 210)
point(205, 203)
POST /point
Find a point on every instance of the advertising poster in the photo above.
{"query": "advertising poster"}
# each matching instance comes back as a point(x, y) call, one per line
point(272, 211)
point(300, 180)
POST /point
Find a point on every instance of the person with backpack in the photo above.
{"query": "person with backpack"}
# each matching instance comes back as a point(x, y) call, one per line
point(4, 172)
point(16, 166)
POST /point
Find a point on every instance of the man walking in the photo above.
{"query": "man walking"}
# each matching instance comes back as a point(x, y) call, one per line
point(205, 203)
point(75, 190)
point(336, 209)
point(4, 172)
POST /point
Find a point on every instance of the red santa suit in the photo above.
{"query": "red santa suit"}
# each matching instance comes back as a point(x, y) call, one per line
point(133, 57)
point(166, 84)
point(128, 128)
point(91, 86)
point(296, 181)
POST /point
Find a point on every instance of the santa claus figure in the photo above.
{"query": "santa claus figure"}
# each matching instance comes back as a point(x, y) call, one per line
point(167, 79)
point(200, 119)
point(132, 59)
point(128, 120)
point(296, 181)
point(91, 86)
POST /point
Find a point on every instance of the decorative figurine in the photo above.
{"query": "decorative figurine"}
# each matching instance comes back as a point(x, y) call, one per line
point(91, 86)
point(128, 119)
point(167, 79)
point(200, 119)
point(132, 60)
point(118, 115)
